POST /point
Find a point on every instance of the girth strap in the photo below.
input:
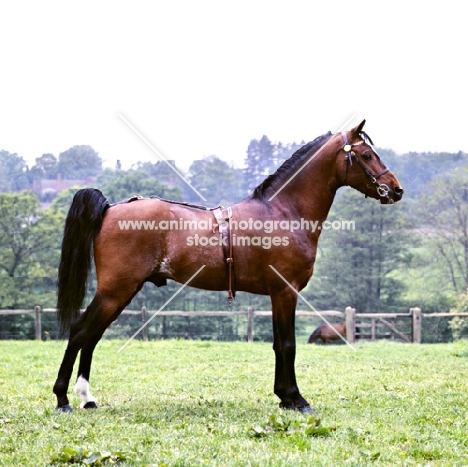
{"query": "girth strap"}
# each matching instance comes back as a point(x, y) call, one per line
point(226, 241)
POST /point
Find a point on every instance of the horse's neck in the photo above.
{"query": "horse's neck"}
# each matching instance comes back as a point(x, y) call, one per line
point(310, 194)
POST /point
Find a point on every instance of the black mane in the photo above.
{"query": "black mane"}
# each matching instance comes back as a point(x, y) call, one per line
point(289, 166)
point(366, 138)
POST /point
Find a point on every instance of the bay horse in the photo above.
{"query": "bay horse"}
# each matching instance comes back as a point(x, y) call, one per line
point(328, 332)
point(277, 261)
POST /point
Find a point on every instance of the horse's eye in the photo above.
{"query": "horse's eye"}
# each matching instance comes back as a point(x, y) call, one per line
point(367, 156)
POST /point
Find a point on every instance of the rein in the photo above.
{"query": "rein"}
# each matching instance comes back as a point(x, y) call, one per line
point(382, 188)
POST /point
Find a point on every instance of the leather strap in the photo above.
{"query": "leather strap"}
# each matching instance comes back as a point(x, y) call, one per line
point(382, 189)
point(226, 239)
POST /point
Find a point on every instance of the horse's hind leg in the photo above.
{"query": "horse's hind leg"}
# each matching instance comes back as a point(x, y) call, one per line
point(99, 324)
point(76, 340)
point(85, 333)
point(106, 311)
point(65, 372)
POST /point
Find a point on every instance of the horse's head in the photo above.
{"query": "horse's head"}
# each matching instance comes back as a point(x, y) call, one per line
point(362, 168)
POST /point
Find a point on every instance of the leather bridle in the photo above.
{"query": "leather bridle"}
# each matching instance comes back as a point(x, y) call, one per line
point(382, 189)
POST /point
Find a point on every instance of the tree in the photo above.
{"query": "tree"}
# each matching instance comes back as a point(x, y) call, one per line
point(285, 151)
point(13, 172)
point(79, 162)
point(162, 172)
point(46, 167)
point(216, 181)
point(417, 170)
point(29, 251)
point(443, 208)
point(355, 267)
point(63, 201)
point(264, 158)
point(260, 162)
point(459, 325)
point(137, 182)
point(108, 176)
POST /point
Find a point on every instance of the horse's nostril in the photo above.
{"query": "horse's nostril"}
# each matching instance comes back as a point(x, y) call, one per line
point(398, 191)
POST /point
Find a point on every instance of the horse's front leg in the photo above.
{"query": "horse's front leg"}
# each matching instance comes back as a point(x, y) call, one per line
point(284, 345)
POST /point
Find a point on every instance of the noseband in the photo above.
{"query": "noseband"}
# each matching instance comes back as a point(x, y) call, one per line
point(381, 188)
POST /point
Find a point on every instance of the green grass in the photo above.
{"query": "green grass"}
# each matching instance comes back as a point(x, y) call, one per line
point(182, 403)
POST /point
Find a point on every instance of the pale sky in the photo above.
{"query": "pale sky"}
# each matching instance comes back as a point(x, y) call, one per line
point(205, 77)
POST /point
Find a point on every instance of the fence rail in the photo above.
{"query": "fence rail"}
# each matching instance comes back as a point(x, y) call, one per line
point(358, 325)
point(413, 319)
point(146, 315)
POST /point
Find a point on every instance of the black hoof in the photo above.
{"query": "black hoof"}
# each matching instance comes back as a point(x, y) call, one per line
point(64, 409)
point(305, 409)
point(308, 410)
point(90, 405)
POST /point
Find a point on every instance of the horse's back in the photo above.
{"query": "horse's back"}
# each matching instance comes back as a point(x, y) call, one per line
point(328, 332)
point(156, 240)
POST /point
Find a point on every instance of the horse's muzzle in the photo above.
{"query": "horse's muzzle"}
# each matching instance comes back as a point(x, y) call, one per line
point(393, 195)
point(398, 193)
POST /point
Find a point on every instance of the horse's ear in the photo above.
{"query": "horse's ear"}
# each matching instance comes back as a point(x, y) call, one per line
point(357, 130)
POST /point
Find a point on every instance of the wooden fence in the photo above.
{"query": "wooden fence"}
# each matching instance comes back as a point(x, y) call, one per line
point(358, 325)
point(146, 315)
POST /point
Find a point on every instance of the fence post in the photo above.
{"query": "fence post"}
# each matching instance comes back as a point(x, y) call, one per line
point(416, 323)
point(37, 322)
point(373, 329)
point(350, 323)
point(144, 331)
point(250, 324)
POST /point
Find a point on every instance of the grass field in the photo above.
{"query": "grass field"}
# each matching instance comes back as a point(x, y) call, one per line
point(188, 403)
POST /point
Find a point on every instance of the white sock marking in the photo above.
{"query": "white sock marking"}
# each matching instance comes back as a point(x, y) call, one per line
point(82, 389)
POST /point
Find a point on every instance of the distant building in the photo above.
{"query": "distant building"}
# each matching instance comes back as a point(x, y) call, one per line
point(47, 189)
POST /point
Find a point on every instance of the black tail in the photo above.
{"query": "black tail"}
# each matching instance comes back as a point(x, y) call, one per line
point(315, 335)
point(84, 221)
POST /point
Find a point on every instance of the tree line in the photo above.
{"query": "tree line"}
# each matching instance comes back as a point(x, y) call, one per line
point(414, 253)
